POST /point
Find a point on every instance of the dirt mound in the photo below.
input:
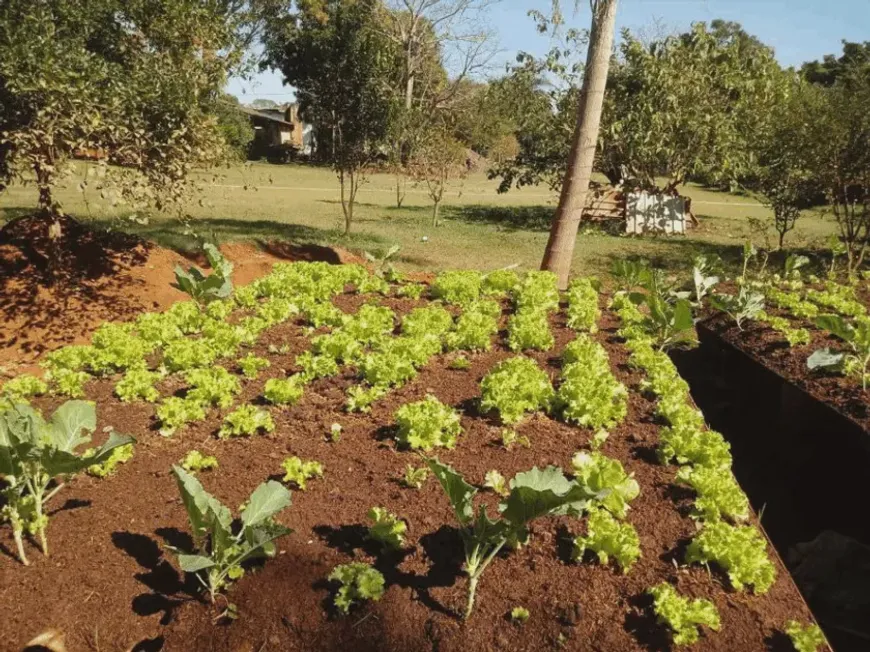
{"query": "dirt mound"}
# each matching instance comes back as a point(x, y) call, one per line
point(56, 291)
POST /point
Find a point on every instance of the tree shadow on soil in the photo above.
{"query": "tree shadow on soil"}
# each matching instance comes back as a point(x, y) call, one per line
point(641, 623)
point(161, 578)
point(443, 548)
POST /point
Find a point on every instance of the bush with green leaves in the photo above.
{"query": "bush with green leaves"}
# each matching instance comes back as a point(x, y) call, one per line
point(182, 355)
point(299, 472)
point(120, 455)
point(457, 286)
point(33, 452)
point(284, 391)
point(607, 480)
point(251, 365)
point(473, 332)
point(214, 386)
point(22, 387)
point(583, 311)
point(138, 384)
point(530, 330)
point(357, 582)
point(538, 292)
point(682, 616)
point(533, 494)
point(719, 495)
point(591, 396)
point(429, 320)
point(805, 638)
point(195, 461)
point(175, 412)
point(246, 420)
point(608, 539)
point(427, 424)
point(387, 528)
point(500, 282)
point(740, 551)
point(205, 289)
point(219, 549)
point(514, 387)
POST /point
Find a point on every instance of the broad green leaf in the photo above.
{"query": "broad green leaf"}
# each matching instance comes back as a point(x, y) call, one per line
point(682, 315)
point(537, 493)
point(837, 325)
point(459, 492)
point(67, 423)
point(259, 540)
point(194, 563)
point(203, 509)
point(267, 500)
point(826, 359)
point(8, 460)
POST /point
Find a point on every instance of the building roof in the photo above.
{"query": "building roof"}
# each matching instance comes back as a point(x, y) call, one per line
point(272, 117)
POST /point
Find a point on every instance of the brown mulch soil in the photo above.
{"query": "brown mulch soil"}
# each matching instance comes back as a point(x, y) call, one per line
point(111, 584)
point(770, 349)
point(55, 296)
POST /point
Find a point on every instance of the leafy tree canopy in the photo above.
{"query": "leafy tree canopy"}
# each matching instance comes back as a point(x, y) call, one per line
point(855, 61)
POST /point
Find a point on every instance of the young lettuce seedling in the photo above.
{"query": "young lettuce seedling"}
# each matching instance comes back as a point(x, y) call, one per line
point(681, 615)
point(519, 615)
point(217, 549)
point(34, 451)
point(387, 528)
point(532, 494)
point(805, 638)
point(415, 477)
point(298, 472)
point(195, 461)
point(357, 582)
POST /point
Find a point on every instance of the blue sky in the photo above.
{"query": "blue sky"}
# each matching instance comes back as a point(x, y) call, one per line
point(798, 30)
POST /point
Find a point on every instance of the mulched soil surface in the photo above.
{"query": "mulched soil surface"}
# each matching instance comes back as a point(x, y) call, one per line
point(770, 349)
point(110, 583)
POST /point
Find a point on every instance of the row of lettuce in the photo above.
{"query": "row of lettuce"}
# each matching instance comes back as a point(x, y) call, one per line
point(188, 339)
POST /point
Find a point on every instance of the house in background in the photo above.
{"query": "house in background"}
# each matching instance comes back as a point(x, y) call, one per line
point(279, 134)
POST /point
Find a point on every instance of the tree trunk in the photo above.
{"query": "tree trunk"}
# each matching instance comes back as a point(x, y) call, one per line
point(43, 182)
point(435, 208)
point(400, 189)
point(563, 234)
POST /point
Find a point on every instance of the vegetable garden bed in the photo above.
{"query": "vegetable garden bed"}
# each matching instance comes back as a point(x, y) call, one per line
point(113, 580)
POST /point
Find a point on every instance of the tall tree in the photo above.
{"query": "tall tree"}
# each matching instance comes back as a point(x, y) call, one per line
point(855, 61)
point(563, 234)
point(341, 65)
point(137, 79)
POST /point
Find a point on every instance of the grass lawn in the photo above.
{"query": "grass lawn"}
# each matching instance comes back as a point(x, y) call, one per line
point(480, 228)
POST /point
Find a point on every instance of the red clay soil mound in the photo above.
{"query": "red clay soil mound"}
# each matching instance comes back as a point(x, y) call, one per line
point(54, 293)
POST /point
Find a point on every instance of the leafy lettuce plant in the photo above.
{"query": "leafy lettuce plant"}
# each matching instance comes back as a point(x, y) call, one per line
point(387, 528)
point(532, 494)
point(120, 455)
point(586, 350)
point(604, 476)
point(214, 386)
point(195, 461)
point(474, 331)
point(175, 412)
point(34, 452)
point(457, 286)
point(794, 336)
point(719, 495)
point(529, 330)
point(499, 282)
point(251, 365)
point(414, 477)
point(681, 615)
point(185, 354)
point(515, 386)
point(67, 382)
point(205, 289)
point(411, 290)
point(805, 638)
point(357, 582)
point(360, 398)
point(22, 387)
point(740, 551)
point(246, 420)
point(608, 538)
point(299, 472)
point(689, 443)
point(284, 391)
point(591, 397)
point(429, 320)
point(427, 424)
point(583, 311)
point(496, 482)
point(138, 384)
point(219, 548)
point(538, 292)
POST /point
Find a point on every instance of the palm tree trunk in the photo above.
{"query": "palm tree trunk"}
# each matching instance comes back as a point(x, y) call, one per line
point(563, 234)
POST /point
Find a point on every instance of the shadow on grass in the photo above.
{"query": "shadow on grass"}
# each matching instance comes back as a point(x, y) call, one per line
point(506, 218)
point(175, 235)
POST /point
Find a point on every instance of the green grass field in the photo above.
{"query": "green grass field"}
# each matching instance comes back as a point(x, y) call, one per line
point(480, 228)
